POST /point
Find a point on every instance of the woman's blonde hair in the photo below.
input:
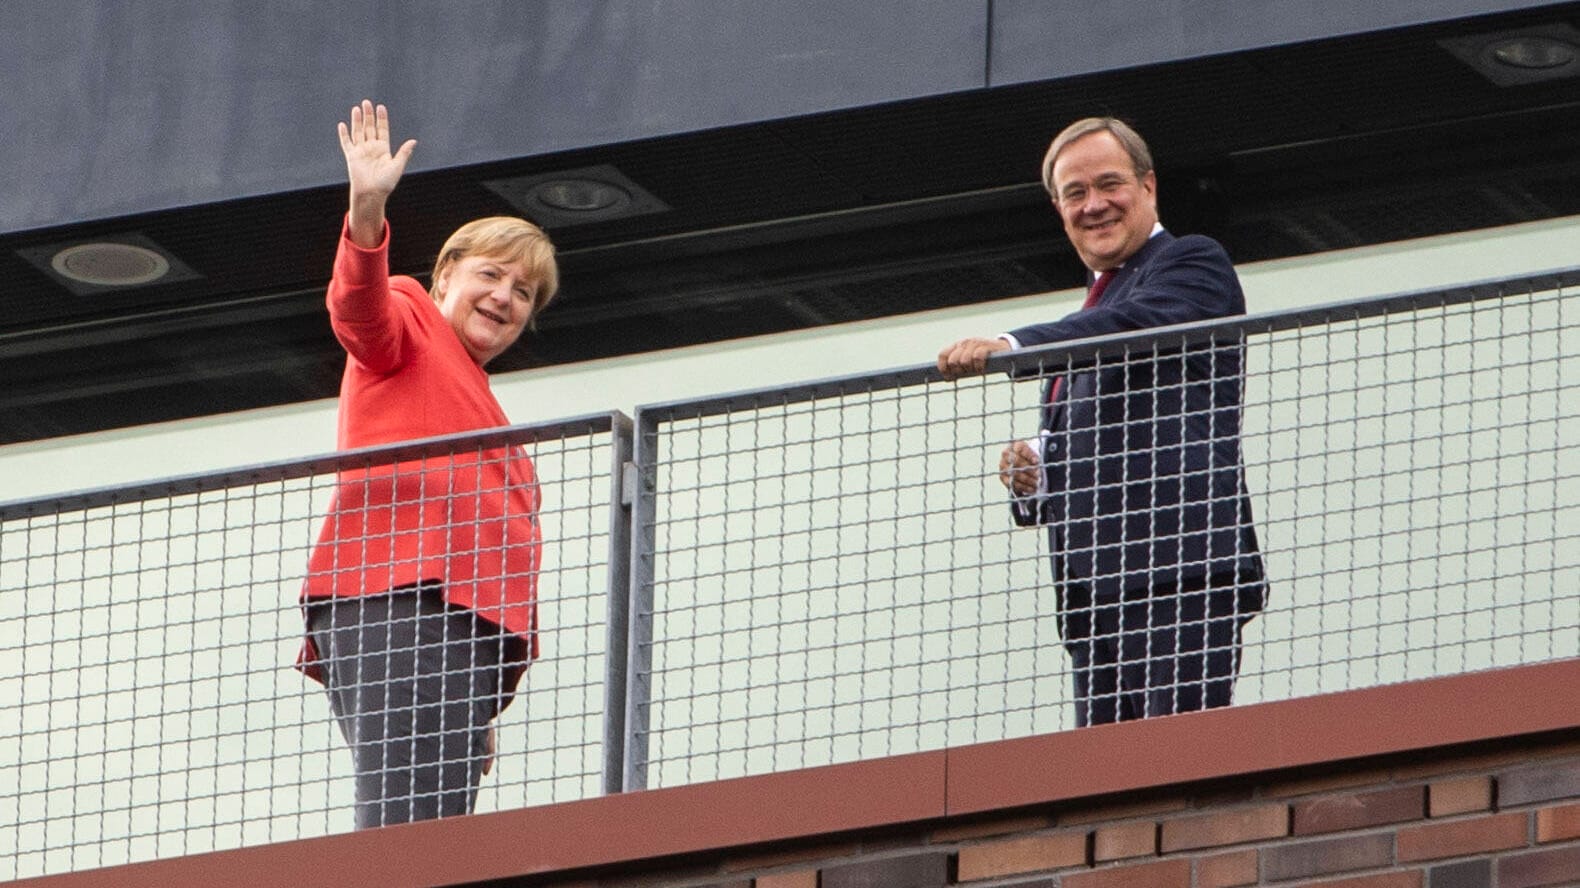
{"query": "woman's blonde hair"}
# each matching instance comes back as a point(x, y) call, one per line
point(511, 240)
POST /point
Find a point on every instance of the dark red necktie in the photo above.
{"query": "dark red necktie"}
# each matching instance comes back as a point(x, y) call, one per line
point(1092, 295)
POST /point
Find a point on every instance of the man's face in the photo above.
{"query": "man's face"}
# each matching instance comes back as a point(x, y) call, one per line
point(1108, 212)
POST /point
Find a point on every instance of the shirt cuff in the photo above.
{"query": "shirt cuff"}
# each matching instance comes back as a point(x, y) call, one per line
point(1014, 344)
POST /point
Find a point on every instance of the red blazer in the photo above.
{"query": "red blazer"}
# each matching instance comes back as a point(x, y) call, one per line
point(468, 521)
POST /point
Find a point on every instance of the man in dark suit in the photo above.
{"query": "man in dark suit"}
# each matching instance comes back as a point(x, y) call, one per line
point(1137, 471)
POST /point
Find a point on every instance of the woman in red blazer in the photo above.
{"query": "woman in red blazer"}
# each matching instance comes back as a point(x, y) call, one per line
point(420, 599)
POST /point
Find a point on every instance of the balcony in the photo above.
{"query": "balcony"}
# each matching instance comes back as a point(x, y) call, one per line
point(769, 581)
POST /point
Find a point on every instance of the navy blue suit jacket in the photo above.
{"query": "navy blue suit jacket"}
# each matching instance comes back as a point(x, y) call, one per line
point(1141, 453)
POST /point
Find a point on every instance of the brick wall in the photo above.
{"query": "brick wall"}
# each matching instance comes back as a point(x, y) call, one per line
point(1489, 818)
point(1453, 782)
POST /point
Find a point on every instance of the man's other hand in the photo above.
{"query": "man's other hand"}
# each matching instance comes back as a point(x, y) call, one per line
point(1018, 466)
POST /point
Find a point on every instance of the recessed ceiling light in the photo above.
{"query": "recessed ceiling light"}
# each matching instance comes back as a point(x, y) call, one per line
point(110, 264)
point(580, 195)
point(107, 264)
point(1532, 51)
point(573, 197)
point(1522, 55)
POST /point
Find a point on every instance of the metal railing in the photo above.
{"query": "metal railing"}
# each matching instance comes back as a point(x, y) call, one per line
point(796, 576)
point(829, 571)
point(148, 704)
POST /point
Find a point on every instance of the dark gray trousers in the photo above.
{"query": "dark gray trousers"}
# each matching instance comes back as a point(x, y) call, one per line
point(1175, 650)
point(414, 683)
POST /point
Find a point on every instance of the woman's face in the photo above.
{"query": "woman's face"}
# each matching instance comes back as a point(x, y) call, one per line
point(487, 301)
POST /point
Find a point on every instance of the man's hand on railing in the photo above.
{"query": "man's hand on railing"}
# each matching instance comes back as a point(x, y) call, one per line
point(1017, 468)
point(968, 356)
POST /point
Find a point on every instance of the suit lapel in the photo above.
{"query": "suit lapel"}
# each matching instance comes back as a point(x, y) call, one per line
point(1117, 291)
point(1119, 288)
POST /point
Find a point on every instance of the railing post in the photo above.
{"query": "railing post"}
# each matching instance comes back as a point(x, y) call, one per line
point(617, 623)
point(642, 473)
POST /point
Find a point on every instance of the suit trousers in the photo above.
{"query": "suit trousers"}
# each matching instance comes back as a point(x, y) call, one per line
point(414, 683)
point(1175, 650)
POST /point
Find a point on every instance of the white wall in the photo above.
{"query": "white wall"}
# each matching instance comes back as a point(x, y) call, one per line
point(41, 468)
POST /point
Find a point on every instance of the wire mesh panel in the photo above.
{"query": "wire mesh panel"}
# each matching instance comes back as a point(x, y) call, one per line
point(831, 581)
point(148, 704)
point(832, 571)
point(1419, 491)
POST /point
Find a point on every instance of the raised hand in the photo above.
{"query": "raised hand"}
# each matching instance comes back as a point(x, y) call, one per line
point(372, 168)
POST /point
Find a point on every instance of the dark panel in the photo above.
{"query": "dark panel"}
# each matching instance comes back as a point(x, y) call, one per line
point(133, 107)
point(1037, 40)
point(825, 218)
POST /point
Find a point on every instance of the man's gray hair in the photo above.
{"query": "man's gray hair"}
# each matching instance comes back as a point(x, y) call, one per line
point(1134, 145)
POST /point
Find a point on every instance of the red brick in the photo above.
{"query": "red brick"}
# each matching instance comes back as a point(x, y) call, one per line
point(1554, 866)
point(1407, 879)
point(1030, 854)
point(1464, 795)
point(1458, 838)
point(1121, 840)
point(1226, 870)
point(1544, 783)
point(1558, 824)
point(1326, 856)
point(801, 879)
point(929, 869)
point(1162, 874)
point(1226, 828)
point(1359, 810)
